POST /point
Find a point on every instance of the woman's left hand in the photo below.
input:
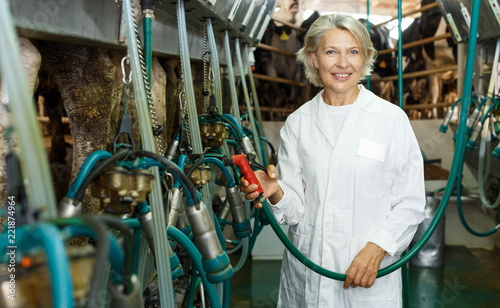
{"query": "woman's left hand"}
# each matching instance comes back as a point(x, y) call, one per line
point(364, 268)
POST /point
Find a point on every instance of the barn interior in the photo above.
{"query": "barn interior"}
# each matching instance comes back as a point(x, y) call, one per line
point(126, 128)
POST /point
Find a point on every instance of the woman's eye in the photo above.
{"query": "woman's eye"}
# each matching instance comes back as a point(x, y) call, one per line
point(354, 52)
point(330, 52)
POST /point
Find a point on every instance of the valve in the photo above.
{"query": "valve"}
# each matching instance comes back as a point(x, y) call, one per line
point(213, 133)
point(120, 190)
point(215, 261)
point(201, 175)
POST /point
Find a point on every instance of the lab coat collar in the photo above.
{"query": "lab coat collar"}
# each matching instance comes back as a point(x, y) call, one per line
point(365, 101)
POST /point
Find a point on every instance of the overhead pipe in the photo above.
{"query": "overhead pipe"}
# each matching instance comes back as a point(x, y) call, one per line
point(245, 94)
point(232, 81)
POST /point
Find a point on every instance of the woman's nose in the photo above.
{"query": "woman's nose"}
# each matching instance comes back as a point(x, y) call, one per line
point(342, 61)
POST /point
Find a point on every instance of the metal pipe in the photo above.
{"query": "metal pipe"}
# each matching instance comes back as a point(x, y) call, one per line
point(189, 91)
point(166, 289)
point(247, 98)
point(417, 43)
point(215, 65)
point(232, 81)
point(400, 55)
point(417, 74)
point(286, 23)
point(423, 8)
point(279, 80)
point(274, 49)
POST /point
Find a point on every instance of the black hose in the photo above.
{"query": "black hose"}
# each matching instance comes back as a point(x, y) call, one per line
point(128, 248)
point(95, 172)
point(99, 281)
point(172, 167)
point(196, 164)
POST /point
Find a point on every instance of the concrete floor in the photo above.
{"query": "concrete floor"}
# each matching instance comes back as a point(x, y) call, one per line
point(469, 278)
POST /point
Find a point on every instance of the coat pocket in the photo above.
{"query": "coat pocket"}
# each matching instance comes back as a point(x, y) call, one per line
point(293, 273)
point(371, 173)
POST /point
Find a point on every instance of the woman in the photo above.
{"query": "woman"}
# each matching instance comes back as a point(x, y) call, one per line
point(351, 177)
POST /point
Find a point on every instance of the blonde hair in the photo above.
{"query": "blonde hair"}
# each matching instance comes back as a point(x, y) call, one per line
point(330, 22)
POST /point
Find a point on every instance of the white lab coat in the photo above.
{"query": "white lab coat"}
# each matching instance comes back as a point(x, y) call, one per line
point(366, 186)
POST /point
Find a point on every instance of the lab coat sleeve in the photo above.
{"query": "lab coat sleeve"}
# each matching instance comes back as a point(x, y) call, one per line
point(290, 209)
point(406, 189)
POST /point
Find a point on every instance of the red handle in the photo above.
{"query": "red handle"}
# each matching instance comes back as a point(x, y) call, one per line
point(241, 161)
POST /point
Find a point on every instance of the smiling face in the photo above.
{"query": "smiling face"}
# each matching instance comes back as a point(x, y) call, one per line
point(339, 63)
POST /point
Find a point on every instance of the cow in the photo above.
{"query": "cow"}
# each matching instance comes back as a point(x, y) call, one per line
point(386, 65)
point(433, 55)
point(274, 64)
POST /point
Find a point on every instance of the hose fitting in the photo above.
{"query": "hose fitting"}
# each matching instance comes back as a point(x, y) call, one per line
point(146, 221)
point(241, 224)
point(171, 152)
point(215, 260)
point(67, 207)
point(471, 144)
point(472, 121)
point(175, 264)
point(175, 207)
point(247, 146)
point(183, 224)
point(446, 121)
point(496, 151)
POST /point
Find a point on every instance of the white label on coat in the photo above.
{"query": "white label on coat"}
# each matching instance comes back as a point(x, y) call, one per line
point(371, 149)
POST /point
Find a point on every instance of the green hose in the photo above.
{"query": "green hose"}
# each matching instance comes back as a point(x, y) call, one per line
point(461, 212)
point(400, 55)
point(148, 51)
point(458, 157)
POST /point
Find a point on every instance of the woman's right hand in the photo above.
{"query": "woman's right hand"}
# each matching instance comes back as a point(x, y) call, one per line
point(269, 183)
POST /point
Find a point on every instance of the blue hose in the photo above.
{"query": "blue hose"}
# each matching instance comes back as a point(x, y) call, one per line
point(195, 256)
point(85, 170)
point(227, 174)
point(62, 286)
point(233, 120)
